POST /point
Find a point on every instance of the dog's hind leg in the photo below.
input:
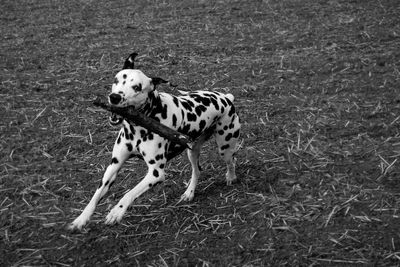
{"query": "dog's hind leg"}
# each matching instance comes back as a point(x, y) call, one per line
point(193, 156)
point(227, 138)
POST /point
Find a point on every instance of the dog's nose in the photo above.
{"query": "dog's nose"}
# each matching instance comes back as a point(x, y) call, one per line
point(115, 98)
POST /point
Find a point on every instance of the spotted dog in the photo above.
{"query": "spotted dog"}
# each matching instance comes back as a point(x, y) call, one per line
point(198, 114)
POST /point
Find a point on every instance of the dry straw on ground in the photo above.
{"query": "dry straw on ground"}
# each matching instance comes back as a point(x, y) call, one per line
point(317, 89)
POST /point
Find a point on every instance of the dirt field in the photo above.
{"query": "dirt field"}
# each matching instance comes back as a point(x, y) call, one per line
point(317, 89)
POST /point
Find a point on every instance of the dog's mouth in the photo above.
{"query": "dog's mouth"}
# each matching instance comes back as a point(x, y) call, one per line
point(115, 119)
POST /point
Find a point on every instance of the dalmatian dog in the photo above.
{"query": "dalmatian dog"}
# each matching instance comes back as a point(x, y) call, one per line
point(198, 114)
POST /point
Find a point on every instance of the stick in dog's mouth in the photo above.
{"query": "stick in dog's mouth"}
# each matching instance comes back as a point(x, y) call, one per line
point(118, 114)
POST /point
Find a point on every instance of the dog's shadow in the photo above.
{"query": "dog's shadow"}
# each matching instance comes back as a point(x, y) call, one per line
point(251, 178)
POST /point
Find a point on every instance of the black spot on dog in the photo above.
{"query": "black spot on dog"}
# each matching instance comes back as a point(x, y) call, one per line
point(202, 124)
point(121, 206)
point(114, 160)
point(150, 136)
point(221, 132)
point(142, 133)
point(138, 142)
point(126, 132)
point(124, 76)
point(111, 184)
point(119, 139)
point(228, 137)
point(164, 112)
point(215, 103)
point(159, 156)
point(193, 134)
point(101, 184)
point(204, 100)
point(222, 110)
point(191, 117)
point(156, 183)
point(185, 128)
point(106, 183)
point(174, 120)
point(236, 134)
point(132, 129)
point(129, 147)
point(200, 109)
point(225, 127)
point(232, 111)
point(223, 102)
point(176, 101)
point(152, 161)
point(159, 145)
point(224, 147)
point(162, 166)
point(144, 153)
point(233, 119)
point(186, 105)
point(155, 173)
point(116, 81)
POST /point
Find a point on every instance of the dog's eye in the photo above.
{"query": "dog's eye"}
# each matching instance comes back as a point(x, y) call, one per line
point(137, 88)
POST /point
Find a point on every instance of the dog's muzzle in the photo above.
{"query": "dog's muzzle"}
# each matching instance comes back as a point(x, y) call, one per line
point(115, 98)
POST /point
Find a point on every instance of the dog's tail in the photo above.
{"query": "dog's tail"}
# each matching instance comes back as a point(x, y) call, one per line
point(230, 97)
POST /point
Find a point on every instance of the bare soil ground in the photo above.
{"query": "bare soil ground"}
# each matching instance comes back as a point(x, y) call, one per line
point(316, 86)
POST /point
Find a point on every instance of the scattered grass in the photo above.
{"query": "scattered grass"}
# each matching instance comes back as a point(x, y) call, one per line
point(316, 86)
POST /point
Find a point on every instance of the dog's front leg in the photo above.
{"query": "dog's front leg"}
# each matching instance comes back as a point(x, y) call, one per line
point(154, 176)
point(119, 156)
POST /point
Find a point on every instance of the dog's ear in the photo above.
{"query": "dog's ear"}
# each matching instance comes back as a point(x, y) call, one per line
point(156, 81)
point(130, 61)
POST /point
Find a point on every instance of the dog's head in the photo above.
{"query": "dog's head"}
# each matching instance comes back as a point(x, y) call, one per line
point(131, 86)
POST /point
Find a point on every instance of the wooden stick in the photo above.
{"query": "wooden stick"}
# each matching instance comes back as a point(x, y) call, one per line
point(181, 141)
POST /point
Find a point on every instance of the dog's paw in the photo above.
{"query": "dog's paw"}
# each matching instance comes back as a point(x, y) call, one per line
point(230, 179)
point(187, 196)
point(77, 224)
point(115, 215)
